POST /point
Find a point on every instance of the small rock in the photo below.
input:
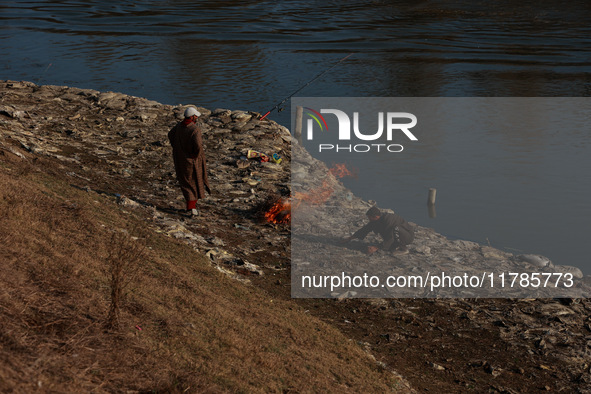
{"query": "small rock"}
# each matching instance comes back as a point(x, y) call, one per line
point(221, 111)
point(567, 269)
point(491, 370)
point(211, 254)
point(423, 249)
point(242, 163)
point(16, 153)
point(241, 116)
point(535, 260)
point(347, 294)
point(492, 253)
point(215, 241)
point(127, 202)
point(110, 100)
point(250, 268)
point(467, 245)
point(8, 111)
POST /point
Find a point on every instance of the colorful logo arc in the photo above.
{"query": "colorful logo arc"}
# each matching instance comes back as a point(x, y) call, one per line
point(315, 116)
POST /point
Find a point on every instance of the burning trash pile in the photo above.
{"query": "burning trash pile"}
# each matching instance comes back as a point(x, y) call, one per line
point(280, 211)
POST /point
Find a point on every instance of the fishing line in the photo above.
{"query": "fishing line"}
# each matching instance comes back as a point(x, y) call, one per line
point(309, 82)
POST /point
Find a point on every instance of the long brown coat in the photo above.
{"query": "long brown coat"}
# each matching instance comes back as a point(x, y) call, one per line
point(189, 160)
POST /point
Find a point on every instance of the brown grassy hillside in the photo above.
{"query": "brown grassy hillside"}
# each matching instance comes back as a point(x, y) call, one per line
point(183, 326)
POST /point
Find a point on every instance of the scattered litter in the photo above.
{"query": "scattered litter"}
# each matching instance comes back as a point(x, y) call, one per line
point(276, 158)
point(252, 154)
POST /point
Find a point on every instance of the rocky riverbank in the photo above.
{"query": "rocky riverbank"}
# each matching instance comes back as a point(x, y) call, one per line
point(326, 211)
point(116, 145)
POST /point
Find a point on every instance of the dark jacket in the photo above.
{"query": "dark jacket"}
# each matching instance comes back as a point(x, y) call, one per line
point(393, 229)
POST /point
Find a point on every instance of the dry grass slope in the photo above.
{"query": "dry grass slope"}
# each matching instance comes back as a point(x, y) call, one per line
point(183, 326)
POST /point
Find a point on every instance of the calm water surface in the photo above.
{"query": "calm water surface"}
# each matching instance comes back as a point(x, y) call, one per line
point(251, 54)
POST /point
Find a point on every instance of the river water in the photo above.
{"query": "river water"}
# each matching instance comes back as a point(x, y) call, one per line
point(252, 54)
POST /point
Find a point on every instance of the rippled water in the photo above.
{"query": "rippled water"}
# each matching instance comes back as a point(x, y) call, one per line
point(252, 54)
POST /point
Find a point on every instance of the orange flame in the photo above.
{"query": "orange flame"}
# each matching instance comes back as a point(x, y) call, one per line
point(340, 171)
point(280, 212)
point(320, 195)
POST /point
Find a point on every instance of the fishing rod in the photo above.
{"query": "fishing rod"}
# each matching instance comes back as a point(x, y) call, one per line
point(309, 82)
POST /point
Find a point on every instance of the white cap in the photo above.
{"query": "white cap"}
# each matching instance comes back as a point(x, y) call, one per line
point(191, 111)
